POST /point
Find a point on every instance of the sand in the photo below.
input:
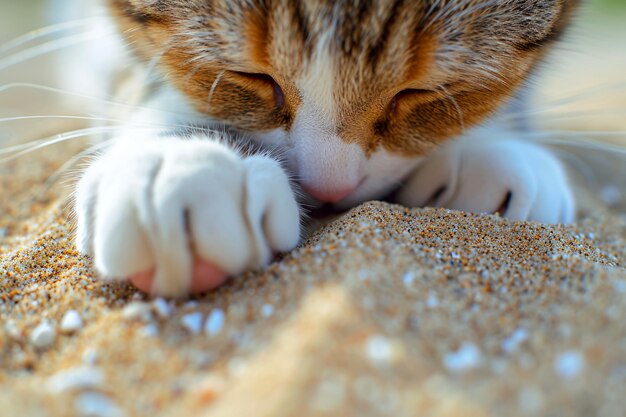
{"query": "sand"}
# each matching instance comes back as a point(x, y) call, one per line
point(387, 311)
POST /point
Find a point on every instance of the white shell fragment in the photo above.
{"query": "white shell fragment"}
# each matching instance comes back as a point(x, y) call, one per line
point(511, 343)
point(466, 358)
point(137, 310)
point(408, 278)
point(215, 322)
point(162, 308)
point(381, 350)
point(74, 379)
point(569, 364)
point(95, 404)
point(267, 310)
point(192, 322)
point(71, 322)
point(43, 335)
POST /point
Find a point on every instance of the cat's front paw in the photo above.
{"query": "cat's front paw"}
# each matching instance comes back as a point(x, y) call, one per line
point(522, 180)
point(162, 213)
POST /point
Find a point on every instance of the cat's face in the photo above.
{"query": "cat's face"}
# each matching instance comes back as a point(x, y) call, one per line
point(353, 90)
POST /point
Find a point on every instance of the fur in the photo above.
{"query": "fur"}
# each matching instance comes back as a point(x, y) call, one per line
point(358, 97)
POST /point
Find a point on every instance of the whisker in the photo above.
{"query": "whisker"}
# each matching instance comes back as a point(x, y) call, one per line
point(70, 163)
point(582, 141)
point(7, 87)
point(124, 124)
point(45, 48)
point(46, 31)
point(566, 115)
point(214, 85)
point(151, 67)
point(451, 99)
point(90, 118)
point(64, 137)
point(555, 104)
point(100, 119)
point(574, 134)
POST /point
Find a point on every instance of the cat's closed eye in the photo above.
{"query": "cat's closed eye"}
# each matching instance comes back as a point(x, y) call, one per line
point(256, 65)
point(264, 85)
point(411, 97)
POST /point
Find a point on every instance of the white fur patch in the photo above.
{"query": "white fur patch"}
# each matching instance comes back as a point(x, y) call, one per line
point(476, 173)
point(323, 160)
point(153, 203)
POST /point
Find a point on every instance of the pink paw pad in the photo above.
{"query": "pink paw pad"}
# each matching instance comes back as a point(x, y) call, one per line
point(205, 276)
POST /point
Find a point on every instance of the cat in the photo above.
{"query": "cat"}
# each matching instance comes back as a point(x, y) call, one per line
point(344, 100)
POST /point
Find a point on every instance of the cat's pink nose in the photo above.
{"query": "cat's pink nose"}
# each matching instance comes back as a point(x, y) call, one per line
point(328, 196)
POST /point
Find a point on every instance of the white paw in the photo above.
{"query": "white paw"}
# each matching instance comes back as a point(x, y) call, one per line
point(155, 204)
point(483, 176)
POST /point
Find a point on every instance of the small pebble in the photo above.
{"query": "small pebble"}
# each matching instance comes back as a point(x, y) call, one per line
point(267, 310)
point(380, 349)
point(464, 359)
point(163, 308)
point(569, 364)
point(209, 388)
point(511, 343)
point(150, 330)
point(215, 322)
point(42, 336)
point(432, 301)
point(75, 379)
point(71, 322)
point(12, 330)
point(90, 357)
point(236, 366)
point(192, 322)
point(408, 278)
point(137, 310)
point(95, 404)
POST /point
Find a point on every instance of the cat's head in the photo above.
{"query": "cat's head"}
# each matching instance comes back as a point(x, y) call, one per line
point(354, 90)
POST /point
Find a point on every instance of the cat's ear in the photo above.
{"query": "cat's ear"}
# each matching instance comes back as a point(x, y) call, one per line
point(496, 26)
point(535, 23)
point(141, 11)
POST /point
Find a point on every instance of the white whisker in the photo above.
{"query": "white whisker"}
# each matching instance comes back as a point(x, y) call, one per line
point(451, 99)
point(54, 177)
point(574, 134)
point(109, 101)
point(99, 119)
point(214, 85)
point(565, 115)
point(555, 104)
point(90, 118)
point(46, 48)
point(46, 31)
point(64, 137)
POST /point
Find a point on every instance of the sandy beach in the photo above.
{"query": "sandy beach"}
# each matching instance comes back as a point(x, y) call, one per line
point(387, 311)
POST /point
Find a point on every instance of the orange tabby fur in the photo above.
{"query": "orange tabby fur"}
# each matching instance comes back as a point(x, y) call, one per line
point(457, 60)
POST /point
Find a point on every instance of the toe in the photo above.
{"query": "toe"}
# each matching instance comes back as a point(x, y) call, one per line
point(205, 277)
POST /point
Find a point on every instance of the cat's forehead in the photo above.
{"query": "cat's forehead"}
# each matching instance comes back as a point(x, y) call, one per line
point(347, 61)
point(380, 38)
